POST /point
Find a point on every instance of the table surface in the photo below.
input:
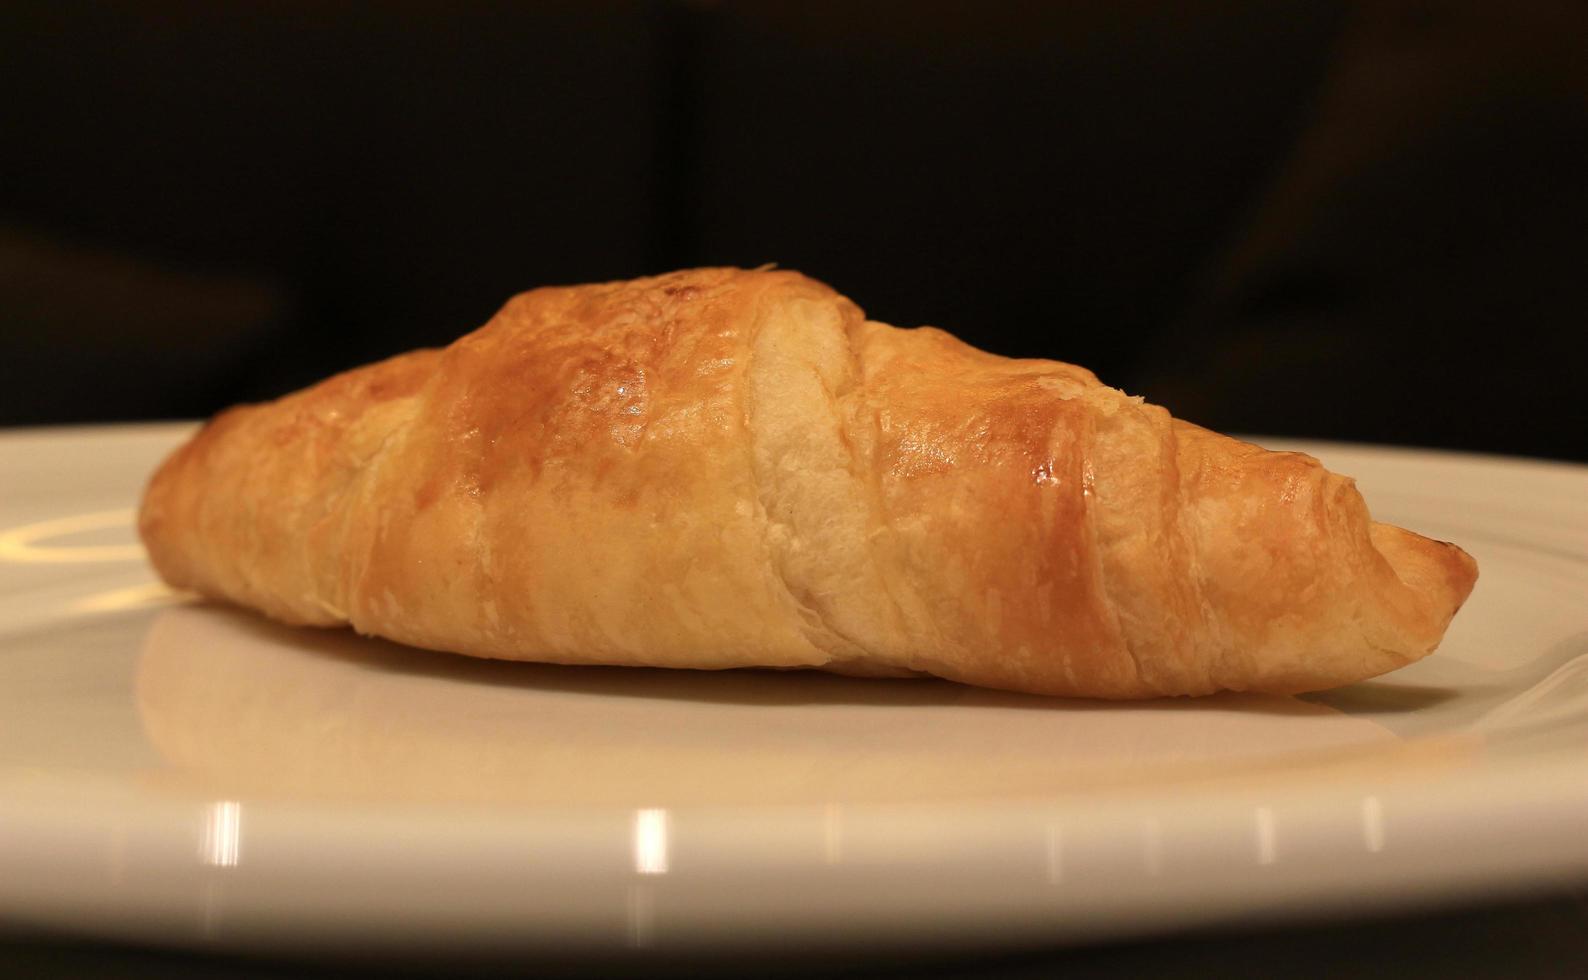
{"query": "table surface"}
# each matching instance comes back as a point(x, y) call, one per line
point(1544, 934)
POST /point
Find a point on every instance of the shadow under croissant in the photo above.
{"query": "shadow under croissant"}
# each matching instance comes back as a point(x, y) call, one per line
point(247, 708)
point(1456, 694)
point(746, 686)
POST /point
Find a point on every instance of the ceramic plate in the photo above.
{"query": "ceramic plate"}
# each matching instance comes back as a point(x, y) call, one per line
point(177, 772)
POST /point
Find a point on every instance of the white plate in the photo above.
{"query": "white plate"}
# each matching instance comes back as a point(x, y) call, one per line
point(180, 773)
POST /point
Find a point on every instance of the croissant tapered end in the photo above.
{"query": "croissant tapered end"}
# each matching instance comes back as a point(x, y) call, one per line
point(254, 507)
point(1410, 588)
point(1438, 573)
point(1300, 589)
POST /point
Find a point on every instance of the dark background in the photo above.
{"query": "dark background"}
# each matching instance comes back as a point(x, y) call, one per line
point(1361, 221)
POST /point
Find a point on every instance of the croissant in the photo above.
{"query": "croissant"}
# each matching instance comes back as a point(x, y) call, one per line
point(727, 468)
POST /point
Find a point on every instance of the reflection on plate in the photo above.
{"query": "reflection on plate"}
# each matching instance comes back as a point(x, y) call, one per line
point(181, 772)
point(245, 707)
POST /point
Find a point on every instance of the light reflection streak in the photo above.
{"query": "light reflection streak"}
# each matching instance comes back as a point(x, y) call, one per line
point(650, 841)
point(1267, 848)
point(119, 600)
point(223, 834)
point(21, 544)
point(642, 916)
point(1373, 823)
point(1055, 853)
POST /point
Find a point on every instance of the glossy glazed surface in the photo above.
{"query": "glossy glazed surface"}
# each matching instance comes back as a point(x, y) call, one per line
point(176, 772)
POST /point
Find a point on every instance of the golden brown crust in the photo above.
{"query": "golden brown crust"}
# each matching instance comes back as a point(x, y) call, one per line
point(721, 468)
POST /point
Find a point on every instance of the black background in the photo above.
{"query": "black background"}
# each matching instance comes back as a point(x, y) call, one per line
point(1360, 221)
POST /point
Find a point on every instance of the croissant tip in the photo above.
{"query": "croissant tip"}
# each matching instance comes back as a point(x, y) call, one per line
point(1439, 572)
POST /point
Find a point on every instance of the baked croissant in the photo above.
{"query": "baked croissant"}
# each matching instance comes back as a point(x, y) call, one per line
point(726, 468)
